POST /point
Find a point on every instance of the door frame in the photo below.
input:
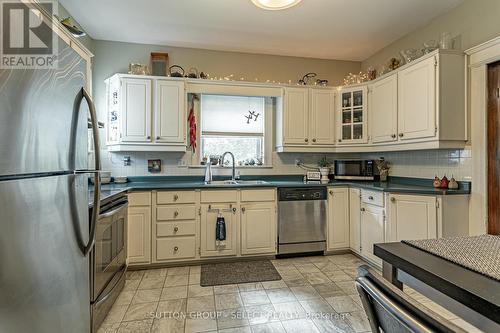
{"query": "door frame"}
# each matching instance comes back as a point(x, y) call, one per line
point(478, 59)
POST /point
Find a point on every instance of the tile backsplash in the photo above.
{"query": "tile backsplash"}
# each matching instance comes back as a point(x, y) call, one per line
point(419, 164)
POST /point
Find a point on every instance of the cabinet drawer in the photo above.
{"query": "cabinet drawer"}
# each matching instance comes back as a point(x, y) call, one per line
point(175, 248)
point(372, 197)
point(171, 197)
point(177, 212)
point(219, 196)
point(184, 228)
point(139, 198)
point(257, 195)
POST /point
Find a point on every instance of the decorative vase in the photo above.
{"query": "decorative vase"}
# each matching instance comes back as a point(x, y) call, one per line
point(325, 171)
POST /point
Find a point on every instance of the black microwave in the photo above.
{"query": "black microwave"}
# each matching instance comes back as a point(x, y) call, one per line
point(355, 169)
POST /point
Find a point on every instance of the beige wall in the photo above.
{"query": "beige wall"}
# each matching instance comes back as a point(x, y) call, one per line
point(474, 21)
point(114, 57)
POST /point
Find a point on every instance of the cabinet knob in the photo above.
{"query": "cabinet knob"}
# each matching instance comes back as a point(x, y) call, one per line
point(393, 136)
point(176, 248)
point(340, 140)
point(242, 209)
point(362, 209)
point(331, 192)
point(401, 135)
point(306, 140)
point(234, 210)
point(314, 140)
point(370, 198)
point(393, 199)
point(176, 229)
point(158, 138)
point(176, 213)
point(176, 197)
point(148, 137)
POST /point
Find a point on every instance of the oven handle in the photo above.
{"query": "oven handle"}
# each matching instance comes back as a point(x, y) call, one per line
point(114, 211)
point(103, 298)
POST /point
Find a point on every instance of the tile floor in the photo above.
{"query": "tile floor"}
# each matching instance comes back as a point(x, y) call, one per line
point(317, 294)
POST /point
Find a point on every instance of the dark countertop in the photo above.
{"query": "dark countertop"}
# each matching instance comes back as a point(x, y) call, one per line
point(467, 287)
point(394, 185)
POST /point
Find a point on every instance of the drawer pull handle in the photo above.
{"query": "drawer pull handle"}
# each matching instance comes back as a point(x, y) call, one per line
point(176, 213)
point(370, 198)
point(176, 248)
point(176, 197)
point(176, 229)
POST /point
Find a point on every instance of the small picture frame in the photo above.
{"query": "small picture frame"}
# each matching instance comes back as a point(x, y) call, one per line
point(159, 64)
point(154, 166)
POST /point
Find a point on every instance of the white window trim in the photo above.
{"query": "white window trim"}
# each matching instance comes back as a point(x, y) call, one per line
point(268, 138)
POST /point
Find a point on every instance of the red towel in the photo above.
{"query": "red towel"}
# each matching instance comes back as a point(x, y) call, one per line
point(192, 126)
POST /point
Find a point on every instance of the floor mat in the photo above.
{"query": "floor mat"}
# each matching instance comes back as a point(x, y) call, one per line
point(238, 272)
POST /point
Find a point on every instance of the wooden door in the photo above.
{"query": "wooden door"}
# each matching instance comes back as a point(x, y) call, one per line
point(338, 219)
point(354, 219)
point(322, 117)
point(296, 116)
point(417, 100)
point(209, 246)
point(258, 228)
point(139, 235)
point(372, 231)
point(383, 104)
point(411, 217)
point(494, 149)
point(169, 111)
point(136, 110)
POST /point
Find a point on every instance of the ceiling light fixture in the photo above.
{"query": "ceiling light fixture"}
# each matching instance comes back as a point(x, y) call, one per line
point(275, 4)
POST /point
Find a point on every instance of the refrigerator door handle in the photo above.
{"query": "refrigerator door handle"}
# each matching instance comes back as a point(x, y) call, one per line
point(97, 168)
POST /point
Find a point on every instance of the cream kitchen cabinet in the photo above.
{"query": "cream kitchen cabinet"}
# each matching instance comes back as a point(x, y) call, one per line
point(424, 217)
point(306, 120)
point(383, 106)
point(139, 228)
point(258, 228)
point(372, 230)
point(351, 116)
point(145, 113)
point(338, 219)
point(354, 220)
point(210, 247)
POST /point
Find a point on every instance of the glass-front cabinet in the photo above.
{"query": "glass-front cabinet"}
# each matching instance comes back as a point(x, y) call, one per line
point(352, 116)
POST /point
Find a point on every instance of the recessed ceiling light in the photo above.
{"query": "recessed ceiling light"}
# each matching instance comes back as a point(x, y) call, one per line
point(275, 4)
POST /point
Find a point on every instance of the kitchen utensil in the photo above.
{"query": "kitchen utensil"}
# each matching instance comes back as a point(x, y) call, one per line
point(176, 71)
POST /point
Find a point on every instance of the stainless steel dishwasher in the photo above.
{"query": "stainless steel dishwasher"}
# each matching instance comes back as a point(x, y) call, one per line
point(302, 219)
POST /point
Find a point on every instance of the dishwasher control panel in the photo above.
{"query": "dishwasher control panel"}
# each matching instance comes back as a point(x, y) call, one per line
point(302, 193)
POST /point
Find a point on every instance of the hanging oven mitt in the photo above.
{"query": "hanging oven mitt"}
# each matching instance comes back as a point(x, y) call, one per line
point(220, 230)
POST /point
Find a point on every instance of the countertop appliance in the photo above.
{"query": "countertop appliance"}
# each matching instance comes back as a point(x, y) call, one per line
point(355, 169)
point(108, 258)
point(46, 239)
point(302, 219)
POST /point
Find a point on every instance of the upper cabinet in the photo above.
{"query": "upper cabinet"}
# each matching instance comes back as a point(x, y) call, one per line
point(417, 100)
point(351, 119)
point(306, 119)
point(383, 103)
point(145, 114)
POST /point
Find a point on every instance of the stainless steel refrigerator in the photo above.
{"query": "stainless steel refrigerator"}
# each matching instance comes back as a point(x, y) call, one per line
point(45, 232)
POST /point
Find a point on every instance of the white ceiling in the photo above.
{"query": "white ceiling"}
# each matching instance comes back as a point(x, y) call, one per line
point(328, 29)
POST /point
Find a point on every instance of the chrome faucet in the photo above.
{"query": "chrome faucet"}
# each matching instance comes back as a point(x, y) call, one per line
point(233, 178)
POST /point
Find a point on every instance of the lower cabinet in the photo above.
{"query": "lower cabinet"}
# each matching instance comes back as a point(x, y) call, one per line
point(338, 219)
point(258, 228)
point(209, 214)
point(372, 230)
point(139, 229)
point(411, 217)
point(354, 219)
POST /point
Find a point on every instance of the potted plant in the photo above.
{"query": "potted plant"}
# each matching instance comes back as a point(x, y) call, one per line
point(324, 168)
point(383, 169)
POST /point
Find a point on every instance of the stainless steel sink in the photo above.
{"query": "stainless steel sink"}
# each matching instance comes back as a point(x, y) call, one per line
point(230, 182)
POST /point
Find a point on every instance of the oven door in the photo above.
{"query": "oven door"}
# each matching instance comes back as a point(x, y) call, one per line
point(109, 250)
